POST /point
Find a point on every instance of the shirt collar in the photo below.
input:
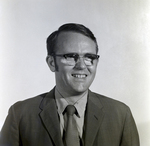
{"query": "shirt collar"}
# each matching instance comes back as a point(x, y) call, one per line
point(62, 103)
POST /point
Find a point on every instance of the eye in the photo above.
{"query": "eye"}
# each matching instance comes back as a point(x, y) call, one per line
point(71, 56)
point(91, 56)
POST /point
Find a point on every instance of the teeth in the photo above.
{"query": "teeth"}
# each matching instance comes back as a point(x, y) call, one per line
point(79, 76)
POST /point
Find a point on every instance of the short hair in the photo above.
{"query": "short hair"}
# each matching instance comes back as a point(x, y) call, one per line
point(69, 27)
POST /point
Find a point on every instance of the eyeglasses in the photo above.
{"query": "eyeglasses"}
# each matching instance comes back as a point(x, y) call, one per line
point(72, 58)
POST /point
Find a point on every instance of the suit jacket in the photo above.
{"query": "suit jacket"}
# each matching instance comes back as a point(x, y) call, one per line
point(35, 122)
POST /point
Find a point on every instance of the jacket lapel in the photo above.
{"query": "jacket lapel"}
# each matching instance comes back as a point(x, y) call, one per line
point(93, 118)
point(50, 118)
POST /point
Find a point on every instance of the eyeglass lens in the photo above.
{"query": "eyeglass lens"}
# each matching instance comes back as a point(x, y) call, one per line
point(72, 58)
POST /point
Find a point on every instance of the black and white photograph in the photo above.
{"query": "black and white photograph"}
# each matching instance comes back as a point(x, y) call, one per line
point(74, 73)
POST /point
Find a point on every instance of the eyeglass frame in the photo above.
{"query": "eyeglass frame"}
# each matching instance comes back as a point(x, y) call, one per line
point(77, 56)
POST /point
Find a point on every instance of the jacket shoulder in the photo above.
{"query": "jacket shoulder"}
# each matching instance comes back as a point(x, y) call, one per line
point(28, 105)
point(111, 104)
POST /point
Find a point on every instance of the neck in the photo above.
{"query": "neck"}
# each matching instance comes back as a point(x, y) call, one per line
point(71, 98)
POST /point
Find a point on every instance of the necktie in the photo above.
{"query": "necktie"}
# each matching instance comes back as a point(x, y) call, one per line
point(71, 134)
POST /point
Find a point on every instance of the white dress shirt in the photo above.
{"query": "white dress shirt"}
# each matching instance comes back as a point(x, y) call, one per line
point(80, 106)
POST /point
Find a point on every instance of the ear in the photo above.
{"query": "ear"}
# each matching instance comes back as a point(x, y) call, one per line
point(51, 63)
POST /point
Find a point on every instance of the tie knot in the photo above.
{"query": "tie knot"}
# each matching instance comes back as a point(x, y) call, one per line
point(70, 109)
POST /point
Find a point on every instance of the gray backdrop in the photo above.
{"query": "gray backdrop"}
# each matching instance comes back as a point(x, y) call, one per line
point(122, 28)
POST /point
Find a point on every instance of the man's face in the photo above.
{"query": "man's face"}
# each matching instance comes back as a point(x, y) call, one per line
point(74, 79)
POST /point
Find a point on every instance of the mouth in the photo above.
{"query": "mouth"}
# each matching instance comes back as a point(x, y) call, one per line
point(79, 76)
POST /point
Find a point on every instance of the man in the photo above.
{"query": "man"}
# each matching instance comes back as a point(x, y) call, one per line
point(45, 120)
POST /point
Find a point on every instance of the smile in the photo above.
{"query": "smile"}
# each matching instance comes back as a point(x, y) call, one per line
point(79, 76)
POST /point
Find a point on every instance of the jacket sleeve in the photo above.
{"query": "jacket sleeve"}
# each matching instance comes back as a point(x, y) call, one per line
point(130, 135)
point(9, 135)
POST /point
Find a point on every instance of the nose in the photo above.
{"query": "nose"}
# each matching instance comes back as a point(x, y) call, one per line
point(80, 64)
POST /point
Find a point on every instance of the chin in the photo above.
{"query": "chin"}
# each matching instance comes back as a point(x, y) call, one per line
point(80, 89)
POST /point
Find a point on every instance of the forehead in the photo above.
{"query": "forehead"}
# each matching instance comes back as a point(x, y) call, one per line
point(74, 42)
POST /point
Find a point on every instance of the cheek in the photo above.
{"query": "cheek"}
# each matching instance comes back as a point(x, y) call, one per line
point(65, 75)
point(92, 70)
